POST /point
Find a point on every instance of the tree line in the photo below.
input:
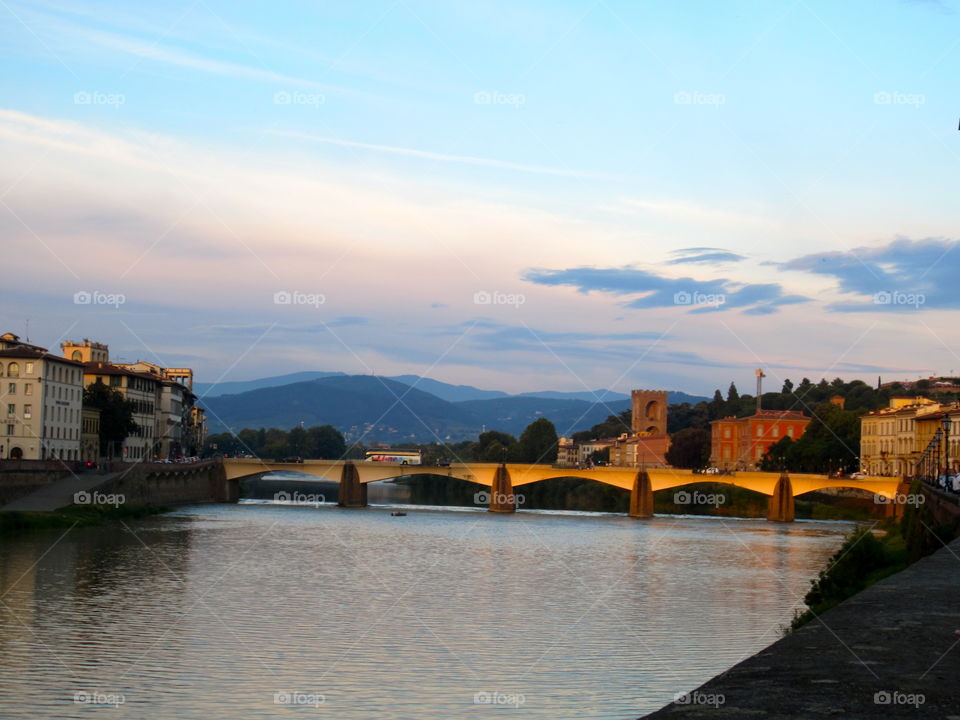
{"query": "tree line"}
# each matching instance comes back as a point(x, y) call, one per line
point(537, 443)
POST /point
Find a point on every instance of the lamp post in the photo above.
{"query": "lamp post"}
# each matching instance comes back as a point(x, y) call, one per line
point(946, 445)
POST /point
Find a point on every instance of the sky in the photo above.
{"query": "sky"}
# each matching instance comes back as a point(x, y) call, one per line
point(513, 195)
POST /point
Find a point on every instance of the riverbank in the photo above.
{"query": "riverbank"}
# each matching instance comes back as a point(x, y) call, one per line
point(17, 522)
point(890, 650)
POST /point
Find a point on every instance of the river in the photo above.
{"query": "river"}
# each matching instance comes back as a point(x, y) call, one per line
point(264, 610)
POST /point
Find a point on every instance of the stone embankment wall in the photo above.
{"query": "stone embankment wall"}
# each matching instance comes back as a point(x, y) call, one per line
point(157, 484)
point(19, 478)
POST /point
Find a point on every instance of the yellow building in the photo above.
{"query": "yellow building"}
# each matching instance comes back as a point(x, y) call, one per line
point(891, 439)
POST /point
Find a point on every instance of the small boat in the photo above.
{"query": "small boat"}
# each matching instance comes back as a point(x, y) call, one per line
point(398, 513)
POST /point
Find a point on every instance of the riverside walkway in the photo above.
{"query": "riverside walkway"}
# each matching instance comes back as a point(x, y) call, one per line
point(890, 651)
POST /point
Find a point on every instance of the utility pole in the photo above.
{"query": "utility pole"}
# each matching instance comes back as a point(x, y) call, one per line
point(760, 376)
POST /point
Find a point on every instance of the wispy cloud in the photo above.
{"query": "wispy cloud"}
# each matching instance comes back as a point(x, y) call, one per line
point(430, 155)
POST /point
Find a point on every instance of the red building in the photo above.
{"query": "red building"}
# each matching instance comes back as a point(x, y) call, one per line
point(740, 443)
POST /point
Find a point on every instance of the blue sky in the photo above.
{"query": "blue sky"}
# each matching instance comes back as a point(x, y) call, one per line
point(522, 195)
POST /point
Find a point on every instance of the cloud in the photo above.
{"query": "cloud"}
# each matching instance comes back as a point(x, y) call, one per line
point(704, 256)
point(430, 155)
point(904, 275)
point(656, 291)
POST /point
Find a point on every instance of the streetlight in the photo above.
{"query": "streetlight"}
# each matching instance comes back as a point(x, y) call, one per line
point(946, 445)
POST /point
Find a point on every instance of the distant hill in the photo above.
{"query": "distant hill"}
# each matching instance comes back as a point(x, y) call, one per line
point(442, 390)
point(206, 389)
point(354, 404)
point(594, 396)
point(513, 414)
point(446, 391)
point(384, 410)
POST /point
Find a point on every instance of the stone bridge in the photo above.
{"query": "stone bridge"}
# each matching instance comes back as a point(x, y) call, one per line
point(502, 479)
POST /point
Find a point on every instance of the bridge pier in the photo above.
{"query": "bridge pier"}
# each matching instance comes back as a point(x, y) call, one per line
point(641, 496)
point(352, 492)
point(896, 507)
point(502, 499)
point(782, 507)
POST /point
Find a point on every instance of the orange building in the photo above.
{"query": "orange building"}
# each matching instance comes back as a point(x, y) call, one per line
point(740, 443)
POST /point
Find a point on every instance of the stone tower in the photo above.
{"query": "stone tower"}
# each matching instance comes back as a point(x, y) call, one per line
point(649, 412)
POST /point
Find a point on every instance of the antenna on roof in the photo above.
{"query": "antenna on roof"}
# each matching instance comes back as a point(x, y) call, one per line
point(760, 376)
point(27, 333)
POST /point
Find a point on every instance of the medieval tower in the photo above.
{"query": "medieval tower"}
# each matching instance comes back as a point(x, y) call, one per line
point(649, 412)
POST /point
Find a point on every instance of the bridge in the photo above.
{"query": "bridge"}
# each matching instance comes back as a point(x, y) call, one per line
point(503, 479)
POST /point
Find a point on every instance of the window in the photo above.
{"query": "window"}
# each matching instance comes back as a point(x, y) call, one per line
point(9, 429)
point(77, 355)
point(11, 409)
point(114, 381)
point(28, 369)
point(13, 370)
point(790, 431)
point(11, 389)
point(28, 411)
point(28, 389)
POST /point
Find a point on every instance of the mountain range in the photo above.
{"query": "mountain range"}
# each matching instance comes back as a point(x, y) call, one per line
point(405, 408)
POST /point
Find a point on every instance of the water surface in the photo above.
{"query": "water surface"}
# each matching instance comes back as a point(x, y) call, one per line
point(232, 611)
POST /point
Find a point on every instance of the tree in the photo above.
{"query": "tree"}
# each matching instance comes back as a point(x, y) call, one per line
point(787, 387)
point(716, 406)
point(116, 416)
point(689, 448)
point(538, 443)
point(324, 442)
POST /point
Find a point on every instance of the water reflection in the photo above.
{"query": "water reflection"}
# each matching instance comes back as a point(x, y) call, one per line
point(231, 611)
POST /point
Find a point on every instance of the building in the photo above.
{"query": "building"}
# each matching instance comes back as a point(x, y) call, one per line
point(170, 424)
point(143, 391)
point(890, 439)
point(90, 434)
point(174, 411)
point(640, 450)
point(740, 443)
point(42, 396)
point(927, 426)
point(566, 453)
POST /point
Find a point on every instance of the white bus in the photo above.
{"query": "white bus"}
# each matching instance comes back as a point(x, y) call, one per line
point(404, 457)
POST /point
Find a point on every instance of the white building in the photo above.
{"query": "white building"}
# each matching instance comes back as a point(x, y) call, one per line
point(41, 396)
